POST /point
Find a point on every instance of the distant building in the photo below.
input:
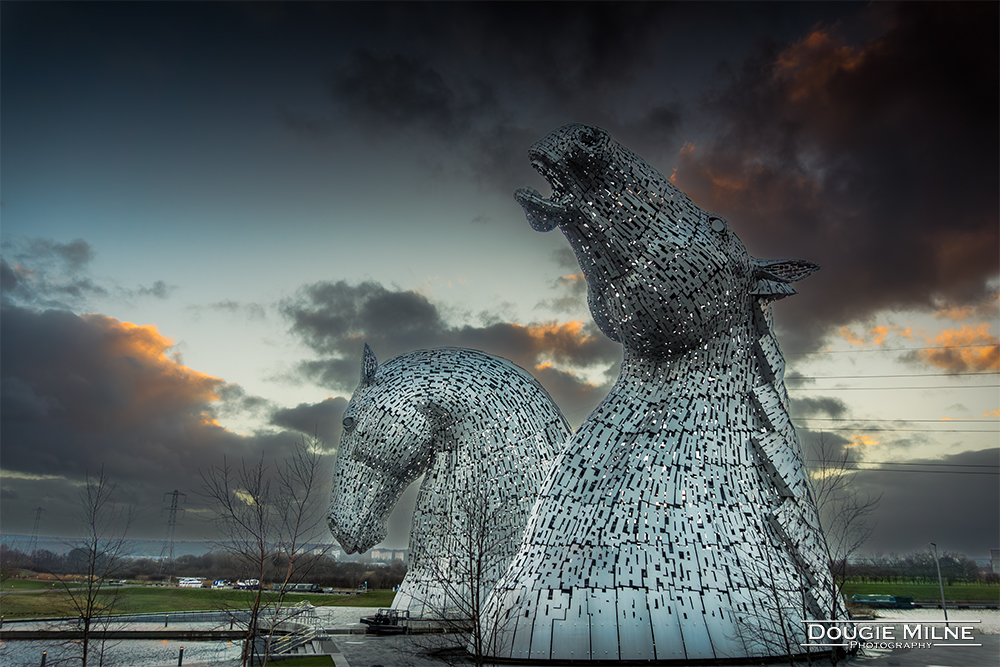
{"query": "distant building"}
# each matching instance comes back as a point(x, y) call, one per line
point(387, 555)
point(995, 560)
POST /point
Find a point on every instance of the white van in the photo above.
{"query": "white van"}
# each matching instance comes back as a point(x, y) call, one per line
point(189, 582)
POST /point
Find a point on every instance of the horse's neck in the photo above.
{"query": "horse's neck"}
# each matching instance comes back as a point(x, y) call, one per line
point(722, 369)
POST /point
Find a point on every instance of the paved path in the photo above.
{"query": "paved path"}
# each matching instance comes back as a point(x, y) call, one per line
point(359, 650)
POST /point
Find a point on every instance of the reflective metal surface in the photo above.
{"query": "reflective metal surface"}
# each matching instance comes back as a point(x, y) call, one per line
point(677, 523)
point(480, 430)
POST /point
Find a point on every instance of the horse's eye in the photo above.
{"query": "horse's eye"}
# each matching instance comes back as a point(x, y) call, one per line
point(348, 423)
point(718, 224)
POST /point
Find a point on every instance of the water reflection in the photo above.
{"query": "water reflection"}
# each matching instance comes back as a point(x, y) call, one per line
point(137, 652)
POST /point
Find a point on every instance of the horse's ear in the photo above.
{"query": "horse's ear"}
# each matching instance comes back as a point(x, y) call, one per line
point(774, 275)
point(784, 270)
point(369, 364)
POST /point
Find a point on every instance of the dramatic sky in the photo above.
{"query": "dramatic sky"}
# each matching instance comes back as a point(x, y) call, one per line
point(207, 209)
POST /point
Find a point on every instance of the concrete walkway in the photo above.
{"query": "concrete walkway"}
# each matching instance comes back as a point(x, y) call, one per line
point(359, 650)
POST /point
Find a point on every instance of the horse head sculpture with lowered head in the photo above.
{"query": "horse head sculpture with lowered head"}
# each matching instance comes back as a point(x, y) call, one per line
point(475, 426)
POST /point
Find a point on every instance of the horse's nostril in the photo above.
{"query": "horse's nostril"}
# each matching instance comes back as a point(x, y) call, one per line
point(589, 137)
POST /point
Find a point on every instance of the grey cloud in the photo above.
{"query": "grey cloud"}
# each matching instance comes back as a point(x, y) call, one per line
point(392, 92)
point(75, 255)
point(159, 289)
point(575, 398)
point(321, 419)
point(565, 259)
point(249, 310)
point(48, 274)
point(819, 405)
point(8, 278)
point(235, 400)
point(950, 506)
point(336, 319)
point(572, 297)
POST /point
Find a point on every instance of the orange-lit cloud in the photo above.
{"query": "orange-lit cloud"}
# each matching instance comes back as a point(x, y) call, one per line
point(806, 68)
point(861, 441)
point(877, 334)
point(560, 339)
point(880, 333)
point(136, 356)
point(851, 337)
point(972, 348)
point(955, 313)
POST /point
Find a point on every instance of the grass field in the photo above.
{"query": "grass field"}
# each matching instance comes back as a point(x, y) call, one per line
point(925, 591)
point(140, 599)
point(32, 585)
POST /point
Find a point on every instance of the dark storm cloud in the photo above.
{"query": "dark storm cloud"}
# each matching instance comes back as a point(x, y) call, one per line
point(394, 92)
point(877, 160)
point(320, 419)
point(956, 507)
point(337, 319)
point(485, 82)
point(82, 393)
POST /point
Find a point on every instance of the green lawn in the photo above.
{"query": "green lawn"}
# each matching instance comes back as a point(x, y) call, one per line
point(139, 599)
point(925, 591)
point(33, 585)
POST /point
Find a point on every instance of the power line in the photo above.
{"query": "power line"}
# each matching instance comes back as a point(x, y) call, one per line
point(926, 472)
point(907, 421)
point(953, 386)
point(917, 463)
point(909, 430)
point(894, 349)
point(931, 472)
point(795, 378)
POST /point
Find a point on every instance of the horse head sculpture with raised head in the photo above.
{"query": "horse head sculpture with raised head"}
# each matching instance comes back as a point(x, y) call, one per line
point(677, 523)
point(650, 255)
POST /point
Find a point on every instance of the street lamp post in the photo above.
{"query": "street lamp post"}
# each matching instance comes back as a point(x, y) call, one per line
point(940, 583)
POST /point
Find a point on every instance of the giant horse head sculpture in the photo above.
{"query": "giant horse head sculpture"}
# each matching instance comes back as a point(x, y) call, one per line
point(650, 255)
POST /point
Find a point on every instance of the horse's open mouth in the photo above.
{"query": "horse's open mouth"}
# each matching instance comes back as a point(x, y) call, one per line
point(544, 214)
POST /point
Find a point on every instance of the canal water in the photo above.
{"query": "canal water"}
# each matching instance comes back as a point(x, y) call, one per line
point(123, 653)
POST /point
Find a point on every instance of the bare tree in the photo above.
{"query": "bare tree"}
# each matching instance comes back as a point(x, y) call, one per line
point(100, 557)
point(268, 519)
point(480, 535)
point(844, 510)
point(768, 626)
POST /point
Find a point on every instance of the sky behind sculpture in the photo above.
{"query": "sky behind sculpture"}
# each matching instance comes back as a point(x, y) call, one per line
point(208, 208)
